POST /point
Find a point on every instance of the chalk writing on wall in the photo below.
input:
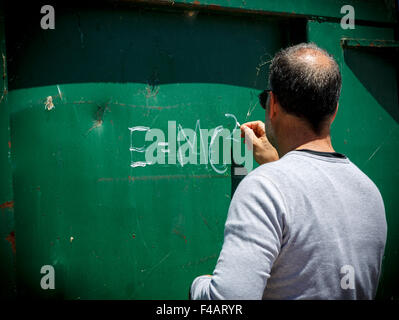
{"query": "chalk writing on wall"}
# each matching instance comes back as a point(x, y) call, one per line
point(186, 146)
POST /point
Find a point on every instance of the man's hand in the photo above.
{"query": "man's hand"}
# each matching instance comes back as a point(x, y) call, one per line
point(263, 151)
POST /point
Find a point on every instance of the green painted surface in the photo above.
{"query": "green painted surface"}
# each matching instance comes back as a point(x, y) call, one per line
point(371, 10)
point(370, 44)
point(366, 127)
point(7, 232)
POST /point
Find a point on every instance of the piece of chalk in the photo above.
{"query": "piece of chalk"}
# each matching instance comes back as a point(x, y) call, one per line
point(238, 124)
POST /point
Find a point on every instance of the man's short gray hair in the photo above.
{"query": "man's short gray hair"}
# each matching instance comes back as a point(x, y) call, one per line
point(307, 82)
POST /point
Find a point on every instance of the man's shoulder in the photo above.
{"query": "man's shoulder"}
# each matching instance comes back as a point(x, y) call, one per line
point(296, 170)
point(264, 179)
point(277, 169)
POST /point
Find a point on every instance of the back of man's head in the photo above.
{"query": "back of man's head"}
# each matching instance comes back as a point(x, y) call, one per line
point(307, 82)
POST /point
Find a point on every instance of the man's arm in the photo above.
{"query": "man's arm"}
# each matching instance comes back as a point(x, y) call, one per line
point(252, 242)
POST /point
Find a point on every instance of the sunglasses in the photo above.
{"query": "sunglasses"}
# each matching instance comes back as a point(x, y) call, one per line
point(263, 98)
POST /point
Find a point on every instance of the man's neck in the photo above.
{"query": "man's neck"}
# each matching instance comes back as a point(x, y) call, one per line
point(305, 140)
point(323, 145)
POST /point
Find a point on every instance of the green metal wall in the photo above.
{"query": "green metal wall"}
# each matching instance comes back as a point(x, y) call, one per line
point(116, 232)
point(7, 230)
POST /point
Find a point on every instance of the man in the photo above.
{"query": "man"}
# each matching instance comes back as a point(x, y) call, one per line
point(307, 224)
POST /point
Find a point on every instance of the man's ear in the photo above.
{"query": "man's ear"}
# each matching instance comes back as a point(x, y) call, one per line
point(335, 113)
point(273, 108)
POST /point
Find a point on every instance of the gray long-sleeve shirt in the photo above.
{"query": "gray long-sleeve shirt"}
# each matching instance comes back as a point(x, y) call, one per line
point(306, 226)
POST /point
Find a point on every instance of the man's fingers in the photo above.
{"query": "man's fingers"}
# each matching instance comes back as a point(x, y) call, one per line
point(258, 128)
point(250, 137)
point(255, 125)
point(252, 124)
point(261, 129)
